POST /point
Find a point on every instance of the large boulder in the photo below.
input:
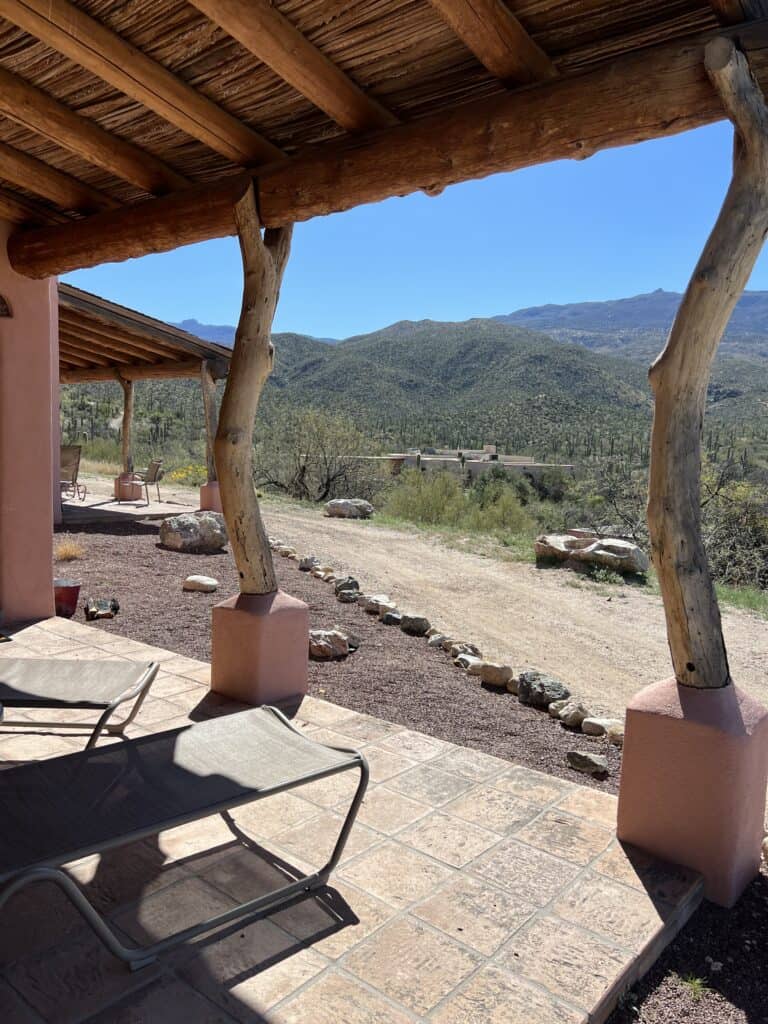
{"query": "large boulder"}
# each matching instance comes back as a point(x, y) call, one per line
point(349, 508)
point(539, 690)
point(203, 532)
point(607, 552)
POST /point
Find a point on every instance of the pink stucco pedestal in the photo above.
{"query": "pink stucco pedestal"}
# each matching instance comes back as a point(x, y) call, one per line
point(210, 499)
point(693, 782)
point(126, 488)
point(260, 648)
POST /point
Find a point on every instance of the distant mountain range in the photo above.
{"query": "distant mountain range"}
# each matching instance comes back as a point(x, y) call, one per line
point(525, 380)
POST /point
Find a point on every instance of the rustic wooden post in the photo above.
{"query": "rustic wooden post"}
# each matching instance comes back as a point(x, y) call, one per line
point(695, 764)
point(208, 388)
point(264, 261)
point(127, 428)
point(680, 375)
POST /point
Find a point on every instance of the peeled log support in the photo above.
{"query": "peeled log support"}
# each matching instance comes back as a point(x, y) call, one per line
point(259, 639)
point(695, 762)
point(264, 261)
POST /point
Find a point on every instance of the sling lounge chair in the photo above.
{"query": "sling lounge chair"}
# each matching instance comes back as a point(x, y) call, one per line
point(100, 686)
point(56, 811)
point(153, 474)
point(69, 460)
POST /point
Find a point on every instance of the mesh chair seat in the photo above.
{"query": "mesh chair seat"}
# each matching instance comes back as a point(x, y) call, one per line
point(51, 683)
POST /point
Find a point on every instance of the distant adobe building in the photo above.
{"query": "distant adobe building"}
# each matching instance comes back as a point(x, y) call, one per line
point(470, 462)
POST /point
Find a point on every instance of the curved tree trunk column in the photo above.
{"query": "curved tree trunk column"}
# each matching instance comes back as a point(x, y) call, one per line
point(260, 637)
point(210, 499)
point(126, 488)
point(696, 748)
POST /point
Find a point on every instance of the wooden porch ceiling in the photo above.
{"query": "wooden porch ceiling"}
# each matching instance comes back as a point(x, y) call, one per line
point(101, 341)
point(105, 104)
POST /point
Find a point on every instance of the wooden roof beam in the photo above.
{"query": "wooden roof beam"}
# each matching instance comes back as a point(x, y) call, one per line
point(270, 36)
point(101, 344)
point(491, 31)
point(20, 210)
point(133, 371)
point(38, 112)
point(652, 93)
point(87, 42)
point(64, 191)
point(734, 12)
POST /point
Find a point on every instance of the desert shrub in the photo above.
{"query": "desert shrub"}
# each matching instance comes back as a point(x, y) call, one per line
point(193, 474)
point(735, 530)
point(314, 456)
point(68, 550)
point(435, 499)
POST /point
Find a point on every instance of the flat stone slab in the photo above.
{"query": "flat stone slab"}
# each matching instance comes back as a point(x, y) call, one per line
point(472, 891)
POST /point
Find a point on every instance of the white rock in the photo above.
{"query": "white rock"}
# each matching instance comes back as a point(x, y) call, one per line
point(372, 602)
point(462, 647)
point(349, 508)
point(557, 706)
point(620, 555)
point(204, 584)
point(615, 734)
point(573, 714)
point(194, 531)
point(386, 606)
point(473, 665)
point(598, 726)
point(494, 674)
point(436, 640)
point(325, 644)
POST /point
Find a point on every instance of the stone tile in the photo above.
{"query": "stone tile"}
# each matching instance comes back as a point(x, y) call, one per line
point(534, 787)
point(657, 878)
point(599, 808)
point(335, 791)
point(244, 873)
point(199, 837)
point(476, 913)
point(571, 963)
point(336, 999)
point(323, 712)
point(447, 839)
point(366, 729)
point(69, 982)
point(13, 1010)
point(415, 745)
point(625, 916)
point(170, 686)
point(395, 874)
point(155, 710)
point(267, 817)
point(124, 875)
point(250, 969)
point(168, 1001)
point(388, 812)
point(200, 675)
point(567, 837)
point(178, 665)
point(148, 653)
point(501, 812)
point(29, 745)
point(384, 764)
point(411, 964)
point(494, 996)
point(171, 909)
point(312, 842)
point(334, 920)
point(534, 876)
point(471, 764)
point(429, 785)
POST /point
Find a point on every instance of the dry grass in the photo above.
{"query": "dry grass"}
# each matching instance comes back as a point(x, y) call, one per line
point(68, 550)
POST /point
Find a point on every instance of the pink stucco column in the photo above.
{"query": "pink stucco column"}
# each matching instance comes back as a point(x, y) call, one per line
point(29, 431)
point(693, 782)
point(210, 499)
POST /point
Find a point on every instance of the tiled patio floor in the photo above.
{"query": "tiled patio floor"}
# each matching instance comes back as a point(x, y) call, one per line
point(471, 892)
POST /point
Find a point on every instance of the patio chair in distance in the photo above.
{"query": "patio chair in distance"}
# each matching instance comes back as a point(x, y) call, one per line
point(153, 474)
point(98, 686)
point(68, 473)
point(57, 811)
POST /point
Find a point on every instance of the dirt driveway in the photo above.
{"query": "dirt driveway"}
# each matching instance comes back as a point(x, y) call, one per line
point(604, 647)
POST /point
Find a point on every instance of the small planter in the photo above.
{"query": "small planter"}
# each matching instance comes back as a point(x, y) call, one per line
point(66, 592)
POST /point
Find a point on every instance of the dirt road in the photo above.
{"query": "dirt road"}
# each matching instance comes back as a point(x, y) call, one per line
point(604, 647)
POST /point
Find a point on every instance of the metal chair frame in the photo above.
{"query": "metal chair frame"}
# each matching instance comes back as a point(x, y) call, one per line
point(138, 957)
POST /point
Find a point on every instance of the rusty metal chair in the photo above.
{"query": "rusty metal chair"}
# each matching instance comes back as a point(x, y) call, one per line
point(69, 470)
point(153, 474)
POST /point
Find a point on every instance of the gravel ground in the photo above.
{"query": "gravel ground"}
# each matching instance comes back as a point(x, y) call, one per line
point(401, 679)
point(392, 675)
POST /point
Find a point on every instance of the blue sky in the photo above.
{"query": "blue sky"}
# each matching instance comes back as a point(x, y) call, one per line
point(623, 222)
